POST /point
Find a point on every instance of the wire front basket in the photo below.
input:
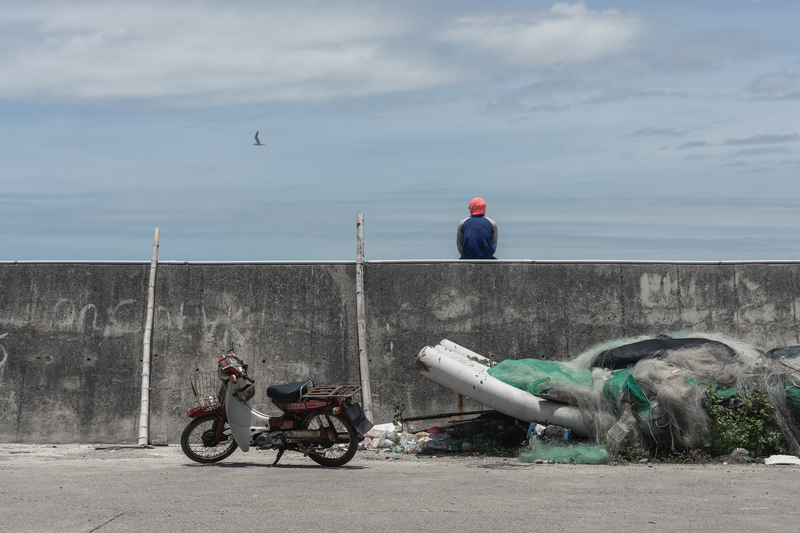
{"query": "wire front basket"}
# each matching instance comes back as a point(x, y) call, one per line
point(208, 390)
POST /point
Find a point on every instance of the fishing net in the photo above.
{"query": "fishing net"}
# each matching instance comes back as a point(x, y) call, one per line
point(651, 390)
point(564, 453)
point(538, 375)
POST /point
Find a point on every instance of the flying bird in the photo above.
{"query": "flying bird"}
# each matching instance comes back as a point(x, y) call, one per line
point(257, 143)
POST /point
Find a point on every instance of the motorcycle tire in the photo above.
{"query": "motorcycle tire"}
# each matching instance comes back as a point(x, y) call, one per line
point(343, 450)
point(199, 442)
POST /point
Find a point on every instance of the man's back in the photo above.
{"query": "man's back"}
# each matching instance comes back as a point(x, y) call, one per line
point(477, 237)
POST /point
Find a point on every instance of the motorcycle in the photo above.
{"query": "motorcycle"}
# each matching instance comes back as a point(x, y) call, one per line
point(320, 421)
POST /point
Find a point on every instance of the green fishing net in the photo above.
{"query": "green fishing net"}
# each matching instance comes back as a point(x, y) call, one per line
point(537, 375)
point(564, 453)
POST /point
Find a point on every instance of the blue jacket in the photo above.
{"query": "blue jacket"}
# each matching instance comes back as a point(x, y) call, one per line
point(477, 237)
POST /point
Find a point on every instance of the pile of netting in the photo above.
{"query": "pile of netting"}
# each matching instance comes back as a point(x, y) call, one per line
point(652, 389)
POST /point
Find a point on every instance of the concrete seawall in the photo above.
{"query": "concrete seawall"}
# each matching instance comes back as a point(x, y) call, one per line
point(71, 334)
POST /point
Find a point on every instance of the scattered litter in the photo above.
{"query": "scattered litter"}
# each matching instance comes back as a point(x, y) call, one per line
point(782, 460)
point(737, 456)
point(489, 432)
point(383, 436)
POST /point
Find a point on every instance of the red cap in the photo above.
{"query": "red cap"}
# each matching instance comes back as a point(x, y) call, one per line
point(477, 207)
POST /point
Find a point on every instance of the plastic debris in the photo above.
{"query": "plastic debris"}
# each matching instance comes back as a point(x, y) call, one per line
point(782, 460)
point(737, 456)
point(383, 436)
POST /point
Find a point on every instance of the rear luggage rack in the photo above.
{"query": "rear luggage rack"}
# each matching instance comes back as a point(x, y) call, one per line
point(338, 391)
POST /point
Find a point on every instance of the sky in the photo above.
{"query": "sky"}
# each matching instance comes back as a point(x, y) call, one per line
point(597, 130)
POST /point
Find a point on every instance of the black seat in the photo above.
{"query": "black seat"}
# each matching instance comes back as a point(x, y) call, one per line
point(289, 392)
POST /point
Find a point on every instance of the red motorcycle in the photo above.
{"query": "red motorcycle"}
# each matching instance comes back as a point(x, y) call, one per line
point(320, 421)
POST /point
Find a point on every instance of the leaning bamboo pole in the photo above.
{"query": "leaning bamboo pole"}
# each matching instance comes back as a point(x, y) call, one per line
point(144, 413)
point(361, 315)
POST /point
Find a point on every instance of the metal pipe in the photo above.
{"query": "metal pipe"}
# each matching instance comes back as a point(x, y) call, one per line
point(144, 413)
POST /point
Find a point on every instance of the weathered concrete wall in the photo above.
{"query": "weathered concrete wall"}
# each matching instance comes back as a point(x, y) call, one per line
point(556, 311)
point(71, 341)
point(287, 322)
point(71, 335)
point(68, 358)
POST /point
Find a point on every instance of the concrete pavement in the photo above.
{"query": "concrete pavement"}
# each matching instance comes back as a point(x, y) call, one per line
point(84, 489)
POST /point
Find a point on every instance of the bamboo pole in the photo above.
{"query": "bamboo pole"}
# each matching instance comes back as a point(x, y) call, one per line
point(144, 413)
point(363, 360)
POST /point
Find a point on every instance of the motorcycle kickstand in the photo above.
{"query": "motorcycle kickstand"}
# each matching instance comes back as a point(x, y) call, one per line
point(278, 458)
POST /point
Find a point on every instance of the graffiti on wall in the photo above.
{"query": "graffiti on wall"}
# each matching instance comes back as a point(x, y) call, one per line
point(83, 316)
point(169, 321)
point(211, 326)
point(75, 313)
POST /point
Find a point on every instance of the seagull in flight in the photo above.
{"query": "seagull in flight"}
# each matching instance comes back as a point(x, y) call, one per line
point(257, 143)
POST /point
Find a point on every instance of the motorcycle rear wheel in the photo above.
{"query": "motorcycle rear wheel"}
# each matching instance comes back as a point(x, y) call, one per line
point(199, 440)
point(343, 450)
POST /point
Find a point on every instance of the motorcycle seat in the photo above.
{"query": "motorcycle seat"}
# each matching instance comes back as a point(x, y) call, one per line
point(289, 392)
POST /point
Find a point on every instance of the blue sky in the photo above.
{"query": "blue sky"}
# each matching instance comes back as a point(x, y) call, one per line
point(635, 129)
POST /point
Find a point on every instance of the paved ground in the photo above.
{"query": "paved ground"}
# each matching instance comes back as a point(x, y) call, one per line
point(84, 489)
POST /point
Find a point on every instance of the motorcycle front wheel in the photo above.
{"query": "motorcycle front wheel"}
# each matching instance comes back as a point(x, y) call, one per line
point(199, 440)
point(340, 452)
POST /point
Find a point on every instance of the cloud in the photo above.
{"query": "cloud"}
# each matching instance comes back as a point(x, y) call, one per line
point(215, 53)
point(692, 144)
point(650, 131)
point(763, 139)
point(694, 157)
point(762, 151)
point(708, 49)
point(565, 34)
point(624, 95)
point(211, 53)
point(773, 83)
point(547, 88)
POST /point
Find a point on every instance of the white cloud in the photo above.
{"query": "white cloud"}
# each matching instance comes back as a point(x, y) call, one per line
point(216, 53)
point(213, 52)
point(566, 33)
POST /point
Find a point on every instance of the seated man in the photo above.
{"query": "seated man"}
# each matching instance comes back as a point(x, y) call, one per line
point(477, 234)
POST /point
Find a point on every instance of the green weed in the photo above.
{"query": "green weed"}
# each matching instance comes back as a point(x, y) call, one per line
point(743, 425)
